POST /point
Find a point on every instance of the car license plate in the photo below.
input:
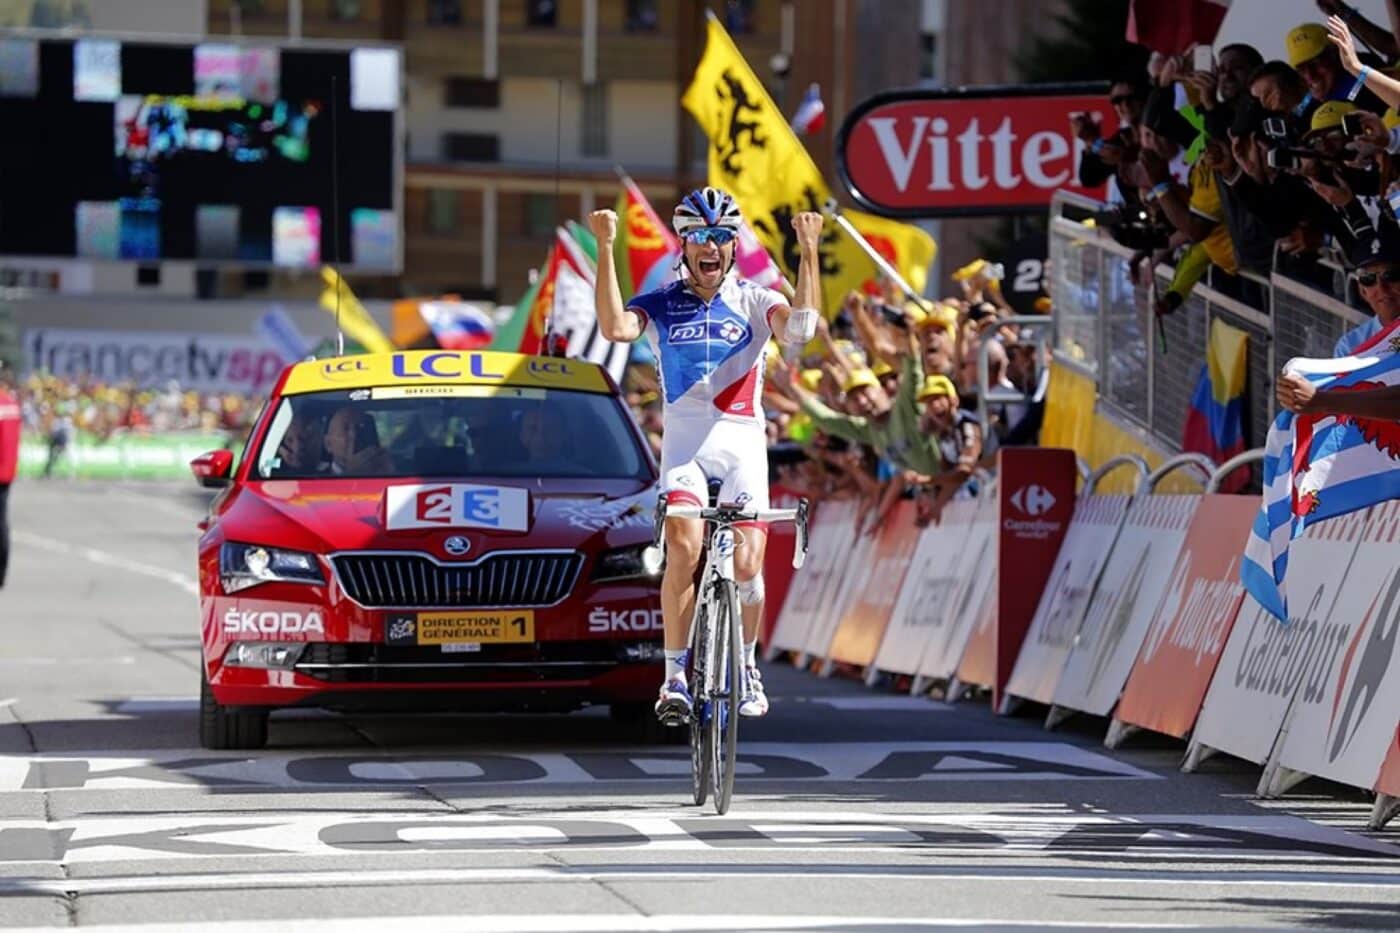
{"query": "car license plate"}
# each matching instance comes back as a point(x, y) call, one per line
point(461, 627)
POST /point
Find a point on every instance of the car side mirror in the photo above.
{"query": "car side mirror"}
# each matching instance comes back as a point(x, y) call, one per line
point(213, 469)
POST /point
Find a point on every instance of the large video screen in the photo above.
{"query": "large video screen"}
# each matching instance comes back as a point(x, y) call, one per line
point(218, 152)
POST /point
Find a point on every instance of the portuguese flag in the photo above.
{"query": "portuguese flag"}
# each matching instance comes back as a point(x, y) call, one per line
point(645, 247)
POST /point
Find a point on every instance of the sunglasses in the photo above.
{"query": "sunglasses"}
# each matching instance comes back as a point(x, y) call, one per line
point(1390, 276)
point(1122, 99)
point(716, 235)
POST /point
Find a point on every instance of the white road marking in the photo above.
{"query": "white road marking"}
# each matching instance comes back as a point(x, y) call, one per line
point(275, 880)
point(108, 559)
point(758, 762)
point(874, 703)
point(601, 923)
point(49, 662)
point(1189, 840)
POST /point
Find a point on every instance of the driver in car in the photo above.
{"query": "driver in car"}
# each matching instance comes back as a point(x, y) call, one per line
point(352, 441)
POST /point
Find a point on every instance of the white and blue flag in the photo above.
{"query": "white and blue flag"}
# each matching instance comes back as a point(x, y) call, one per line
point(1318, 467)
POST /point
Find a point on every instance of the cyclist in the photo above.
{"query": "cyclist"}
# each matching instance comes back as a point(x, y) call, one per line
point(708, 332)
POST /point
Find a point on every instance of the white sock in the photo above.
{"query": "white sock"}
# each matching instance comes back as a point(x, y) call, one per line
point(751, 653)
point(675, 663)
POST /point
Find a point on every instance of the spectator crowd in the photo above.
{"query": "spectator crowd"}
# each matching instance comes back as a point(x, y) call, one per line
point(884, 404)
point(1224, 163)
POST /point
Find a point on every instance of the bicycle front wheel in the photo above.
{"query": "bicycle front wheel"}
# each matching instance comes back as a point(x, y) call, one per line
point(699, 726)
point(729, 687)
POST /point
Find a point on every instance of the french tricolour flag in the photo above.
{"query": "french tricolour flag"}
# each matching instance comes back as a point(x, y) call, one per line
point(811, 113)
point(457, 325)
point(1318, 467)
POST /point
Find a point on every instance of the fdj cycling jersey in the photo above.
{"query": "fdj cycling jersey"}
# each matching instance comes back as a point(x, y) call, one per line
point(710, 354)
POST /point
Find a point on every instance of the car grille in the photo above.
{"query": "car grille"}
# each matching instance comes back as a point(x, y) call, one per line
point(416, 581)
point(368, 662)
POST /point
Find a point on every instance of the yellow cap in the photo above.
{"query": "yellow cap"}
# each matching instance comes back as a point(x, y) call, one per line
point(858, 378)
point(937, 384)
point(916, 314)
point(1390, 118)
point(969, 270)
point(811, 378)
point(1305, 42)
point(881, 369)
point(1043, 305)
point(1329, 115)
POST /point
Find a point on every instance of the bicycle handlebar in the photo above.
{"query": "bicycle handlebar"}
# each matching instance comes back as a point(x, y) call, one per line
point(730, 516)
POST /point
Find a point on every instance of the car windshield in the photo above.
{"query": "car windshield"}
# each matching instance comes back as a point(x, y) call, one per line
point(453, 430)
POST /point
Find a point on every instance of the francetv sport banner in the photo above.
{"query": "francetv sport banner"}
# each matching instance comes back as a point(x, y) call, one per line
point(985, 150)
point(200, 362)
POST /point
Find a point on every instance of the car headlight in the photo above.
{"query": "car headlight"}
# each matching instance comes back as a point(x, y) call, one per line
point(639, 562)
point(265, 655)
point(245, 565)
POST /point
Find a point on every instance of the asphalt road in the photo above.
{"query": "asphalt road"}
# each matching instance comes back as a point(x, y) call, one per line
point(857, 808)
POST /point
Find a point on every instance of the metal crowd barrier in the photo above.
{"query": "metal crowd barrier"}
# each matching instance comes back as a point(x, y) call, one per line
point(1104, 329)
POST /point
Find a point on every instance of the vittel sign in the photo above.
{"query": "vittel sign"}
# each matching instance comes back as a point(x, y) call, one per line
point(986, 150)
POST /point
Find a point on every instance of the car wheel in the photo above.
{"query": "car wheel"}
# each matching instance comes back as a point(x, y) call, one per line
point(223, 728)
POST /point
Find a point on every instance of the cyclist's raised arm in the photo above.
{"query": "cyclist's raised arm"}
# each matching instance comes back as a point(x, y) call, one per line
point(797, 324)
point(615, 323)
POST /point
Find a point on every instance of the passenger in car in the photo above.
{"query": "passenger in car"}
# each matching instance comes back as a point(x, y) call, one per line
point(544, 434)
point(302, 450)
point(352, 440)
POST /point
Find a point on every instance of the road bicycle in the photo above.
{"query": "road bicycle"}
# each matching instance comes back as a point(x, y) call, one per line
point(716, 671)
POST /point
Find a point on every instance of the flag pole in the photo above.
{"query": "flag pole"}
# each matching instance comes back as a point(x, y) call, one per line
point(833, 210)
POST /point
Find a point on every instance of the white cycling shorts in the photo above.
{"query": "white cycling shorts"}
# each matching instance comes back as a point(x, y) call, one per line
point(695, 451)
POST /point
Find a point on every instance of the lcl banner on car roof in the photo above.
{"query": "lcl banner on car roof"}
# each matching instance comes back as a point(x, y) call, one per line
point(986, 150)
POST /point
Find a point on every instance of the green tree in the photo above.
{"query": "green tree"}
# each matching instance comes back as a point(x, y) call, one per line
point(1086, 44)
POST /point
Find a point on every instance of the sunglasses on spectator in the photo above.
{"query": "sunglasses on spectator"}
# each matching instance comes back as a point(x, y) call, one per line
point(1121, 99)
point(716, 235)
point(1390, 276)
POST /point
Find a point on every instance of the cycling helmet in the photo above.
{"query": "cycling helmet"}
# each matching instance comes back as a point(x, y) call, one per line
point(705, 207)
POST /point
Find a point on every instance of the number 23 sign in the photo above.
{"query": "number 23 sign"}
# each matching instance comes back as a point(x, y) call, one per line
point(456, 505)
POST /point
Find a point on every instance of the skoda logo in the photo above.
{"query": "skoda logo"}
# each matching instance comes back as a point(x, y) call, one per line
point(456, 546)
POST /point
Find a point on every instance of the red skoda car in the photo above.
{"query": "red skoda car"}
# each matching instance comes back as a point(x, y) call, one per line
point(430, 530)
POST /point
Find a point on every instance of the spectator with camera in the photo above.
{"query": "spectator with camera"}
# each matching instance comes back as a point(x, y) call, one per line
point(1105, 156)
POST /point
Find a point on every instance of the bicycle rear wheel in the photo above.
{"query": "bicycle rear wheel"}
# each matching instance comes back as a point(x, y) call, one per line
point(699, 731)
point(729, 684)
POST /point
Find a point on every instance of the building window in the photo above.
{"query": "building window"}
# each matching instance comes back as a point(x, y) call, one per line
point(928, 56)
point(594, 120)
point(540, 215)
point(345, 11)
point(444, 214)
point(739, 16)
point(471, 147)
point(249, 7)
point(444, 12)
point(541, 13)
point(641, 16)
point(472, 92)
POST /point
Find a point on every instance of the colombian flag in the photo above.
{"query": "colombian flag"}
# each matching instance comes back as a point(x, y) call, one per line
point(1215, 420)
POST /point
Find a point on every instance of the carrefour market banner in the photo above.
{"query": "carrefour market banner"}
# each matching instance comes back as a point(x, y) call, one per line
point(198, 361)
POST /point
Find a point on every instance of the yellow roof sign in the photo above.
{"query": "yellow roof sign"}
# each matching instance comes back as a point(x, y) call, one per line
point(444, 367)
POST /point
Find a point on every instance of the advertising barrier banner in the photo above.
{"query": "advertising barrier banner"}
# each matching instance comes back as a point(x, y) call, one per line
point(198, 361)
point(853, 572)
point(862, 627)
point(1192, 621)
point(830, 535)
point(1121, 611)
point(1036, 499)
point(777, 559)
point(921, 608)
point(1388, 781)
point(1265, 661)
point(972, 594)
point(1348, 703)
point(124, 456)
point(1056, 619)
